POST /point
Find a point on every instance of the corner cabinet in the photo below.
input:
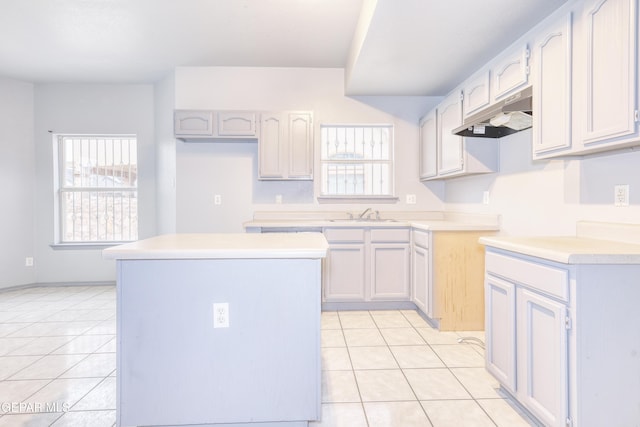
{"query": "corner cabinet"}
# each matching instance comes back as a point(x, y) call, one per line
point(285, 148)
point(610, 110)
point(446, 155)
point(203, 125)
point(556, 338)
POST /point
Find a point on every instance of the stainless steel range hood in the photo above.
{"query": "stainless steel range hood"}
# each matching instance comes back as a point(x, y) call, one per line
point(505, 117)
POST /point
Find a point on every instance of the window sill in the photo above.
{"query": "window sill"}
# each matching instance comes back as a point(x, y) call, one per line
point(88, 245)
point(357, 199)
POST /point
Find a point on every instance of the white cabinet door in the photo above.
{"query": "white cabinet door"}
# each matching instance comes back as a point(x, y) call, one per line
point(286, 146)
point(344, 273)
point(428, 146)
point(193, 123)
point(552, 91)
point(300, 141)
point(236, 123)
point(420, 279)
point(511, 73)
point(476, 93)
point(450, 146)
point(271, 146)
point(542, 357)
point(611, 87)
point(500, 327)
point(390, 275)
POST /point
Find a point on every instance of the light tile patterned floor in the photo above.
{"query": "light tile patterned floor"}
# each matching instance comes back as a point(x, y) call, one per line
point(380, 368)
point(57, 356)
point(391, 369)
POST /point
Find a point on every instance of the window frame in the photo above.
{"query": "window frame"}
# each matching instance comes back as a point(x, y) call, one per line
point(358, 198)
point(60, 189)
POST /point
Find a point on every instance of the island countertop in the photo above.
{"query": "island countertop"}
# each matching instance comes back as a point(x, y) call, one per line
point(222, 246)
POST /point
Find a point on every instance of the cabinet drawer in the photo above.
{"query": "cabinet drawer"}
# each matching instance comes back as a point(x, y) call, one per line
point(344, 234)
point(544, 278)
point(421, 238)
point(400, 235)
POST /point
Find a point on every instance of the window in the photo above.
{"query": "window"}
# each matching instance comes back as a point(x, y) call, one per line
point(97, 188)
point(357, 160)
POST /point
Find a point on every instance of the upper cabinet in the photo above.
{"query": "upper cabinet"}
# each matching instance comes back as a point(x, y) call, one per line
point(476, 92)
point(552, 89)
point(285, 150)
point(237, 124)
point(428, 146)
point(610, 110)
point(449, 117)
point(510, 73)
point(202, 125)
point(446, 155)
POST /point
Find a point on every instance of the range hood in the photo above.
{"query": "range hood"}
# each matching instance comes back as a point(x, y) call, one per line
point(505, 117)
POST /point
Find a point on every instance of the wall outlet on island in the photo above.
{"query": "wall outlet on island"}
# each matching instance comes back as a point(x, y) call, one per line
point(221, 315)
point(485, 197)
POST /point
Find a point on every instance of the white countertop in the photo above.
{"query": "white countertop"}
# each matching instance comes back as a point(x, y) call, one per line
point(223, 246)
point(427, 225)
point(591, 245)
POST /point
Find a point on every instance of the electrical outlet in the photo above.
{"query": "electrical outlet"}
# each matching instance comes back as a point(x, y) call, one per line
point(28, 261)
point(279, 199)
point(621, 195)
point(485, 198)
point(217, 199)
point(411, 199)
point(221, 315)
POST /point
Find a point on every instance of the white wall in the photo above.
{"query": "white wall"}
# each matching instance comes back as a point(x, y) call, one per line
point(230, 168)
point(548, 197)
point(165, 155)
point(17, 182)
point(89, 108)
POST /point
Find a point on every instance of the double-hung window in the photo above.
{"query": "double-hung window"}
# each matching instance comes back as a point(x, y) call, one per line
point(97, 189)
point(357, 160)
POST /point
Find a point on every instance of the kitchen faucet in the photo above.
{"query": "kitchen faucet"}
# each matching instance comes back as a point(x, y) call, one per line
point(364, 213)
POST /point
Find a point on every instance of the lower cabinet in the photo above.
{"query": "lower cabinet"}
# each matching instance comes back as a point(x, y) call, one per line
point(421, 272)
point(558, 338)
point(367, 264)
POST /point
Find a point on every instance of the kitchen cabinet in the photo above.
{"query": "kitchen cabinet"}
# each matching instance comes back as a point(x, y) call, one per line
point(366, 264)
point(390, 258)
point(526, 336)
point(428, 146)
point(286, 146)
point(510, 73)
point(421, 271)
point(449, 117)
point(610, 109)
point(193, 123)
point(557, 336)
point(476, 91)
point(236, 124)
point(203, 125)
point(344, 266)
point(445, 155)
point(552, 96)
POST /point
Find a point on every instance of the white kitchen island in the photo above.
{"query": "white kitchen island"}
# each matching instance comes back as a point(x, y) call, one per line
point(175, 368)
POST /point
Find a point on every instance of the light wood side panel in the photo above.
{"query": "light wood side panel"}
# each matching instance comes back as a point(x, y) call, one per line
point(458, 280)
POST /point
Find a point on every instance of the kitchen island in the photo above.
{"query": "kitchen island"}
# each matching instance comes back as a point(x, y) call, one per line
point(255, 358)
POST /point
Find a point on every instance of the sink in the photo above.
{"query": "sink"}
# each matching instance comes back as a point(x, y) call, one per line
point(363, 220)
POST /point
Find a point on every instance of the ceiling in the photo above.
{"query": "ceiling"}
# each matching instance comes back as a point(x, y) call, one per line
point(388, 47)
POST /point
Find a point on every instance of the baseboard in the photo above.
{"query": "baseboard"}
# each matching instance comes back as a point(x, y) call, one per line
point(56, 285)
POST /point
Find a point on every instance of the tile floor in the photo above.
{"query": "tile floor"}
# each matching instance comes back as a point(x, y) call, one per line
point(390, 368)
point(380, 368)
